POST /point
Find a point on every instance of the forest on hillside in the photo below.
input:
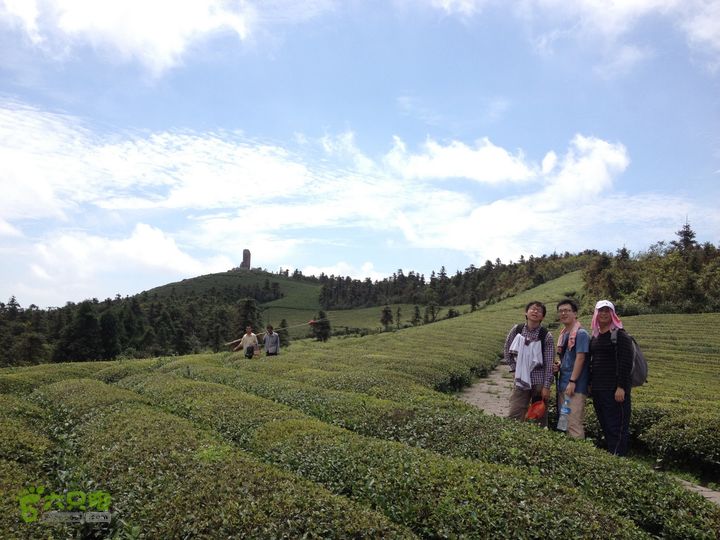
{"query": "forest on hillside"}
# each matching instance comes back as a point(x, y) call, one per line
point(679, 276)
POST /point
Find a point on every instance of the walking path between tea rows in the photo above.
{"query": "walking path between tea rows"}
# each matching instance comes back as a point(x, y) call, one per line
point(491, 395)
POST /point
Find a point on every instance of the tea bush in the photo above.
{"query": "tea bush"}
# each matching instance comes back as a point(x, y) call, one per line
point(176, 480)
point(452, 428)
point(364, 469)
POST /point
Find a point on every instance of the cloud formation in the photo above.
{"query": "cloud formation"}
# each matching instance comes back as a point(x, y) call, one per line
point(613, 22)
point(484, 163)
point(159, 34)
point(187, 202)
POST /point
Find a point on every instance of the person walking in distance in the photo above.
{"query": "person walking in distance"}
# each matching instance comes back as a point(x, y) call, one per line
point(610, 368)
point(271, 341)
point(249, 343)
point(572, 347)
point(529, 351)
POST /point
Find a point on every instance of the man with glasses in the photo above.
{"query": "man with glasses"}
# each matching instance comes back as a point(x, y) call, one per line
point(573, 346)
point(529, 351)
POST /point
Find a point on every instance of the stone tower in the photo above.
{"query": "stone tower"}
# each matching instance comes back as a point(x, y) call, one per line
point(246, 259)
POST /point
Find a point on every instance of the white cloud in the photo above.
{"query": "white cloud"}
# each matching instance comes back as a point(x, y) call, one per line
point(156, 33)
point(611, 19)
point(343, 146)
point(465, 8)
point(8, 230)
point(73, 265)
point(563, 208)
point(84, 255)
point(214, 194)
point(702, 24)
point(485, 162)
point(342, 268)
point(52, 165)
point(613, 23)
point(23, 13)
point(549, 162)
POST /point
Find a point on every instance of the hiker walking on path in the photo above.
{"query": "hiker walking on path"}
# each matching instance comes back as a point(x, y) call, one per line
point(529, 351)
point(248, 343)
point(610, 367)
point(271, 342)
point(572, 348)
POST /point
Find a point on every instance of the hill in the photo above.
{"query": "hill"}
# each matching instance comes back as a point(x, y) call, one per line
point(358, 427)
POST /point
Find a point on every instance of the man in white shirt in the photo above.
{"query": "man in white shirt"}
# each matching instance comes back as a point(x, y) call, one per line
point(249, 343)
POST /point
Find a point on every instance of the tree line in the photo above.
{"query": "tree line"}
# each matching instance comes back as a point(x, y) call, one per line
point(145, 325)
point(476, 286)
point(681, 276)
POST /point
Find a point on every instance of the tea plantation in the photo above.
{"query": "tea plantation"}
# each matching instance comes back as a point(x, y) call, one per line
point(356, 438)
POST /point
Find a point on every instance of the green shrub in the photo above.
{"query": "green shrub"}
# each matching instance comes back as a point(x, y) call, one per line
point(434, 495)
point(447, 426)
point(151, 461)
point(692, 437)
point(409, 500)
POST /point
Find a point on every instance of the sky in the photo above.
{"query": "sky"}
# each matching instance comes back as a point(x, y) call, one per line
point(144, 142)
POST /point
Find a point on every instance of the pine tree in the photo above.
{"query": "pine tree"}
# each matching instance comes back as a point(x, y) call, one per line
point(249, 314)
point(81, 340)
point(685, 243)
point(416, 319)
point(321, 329)
point(283, 333)
point(109, 335)
point(386, 317)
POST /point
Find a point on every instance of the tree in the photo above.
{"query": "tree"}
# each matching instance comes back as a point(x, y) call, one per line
point(30, 348)
point(397, 317)
point(321, 327)
point(416, 318)
point(386, 317)
point(685, 243)
point(109, 336)
point(81, 340)
point(283, 333)
point(473, 301)
point(249, 314)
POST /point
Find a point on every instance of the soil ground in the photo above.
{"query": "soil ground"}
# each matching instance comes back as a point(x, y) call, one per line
point(491, 395)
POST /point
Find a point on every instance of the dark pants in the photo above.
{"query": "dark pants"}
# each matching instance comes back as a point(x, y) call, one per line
point(614, 419)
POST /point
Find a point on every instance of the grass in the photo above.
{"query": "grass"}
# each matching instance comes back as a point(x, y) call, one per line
point(359, 425)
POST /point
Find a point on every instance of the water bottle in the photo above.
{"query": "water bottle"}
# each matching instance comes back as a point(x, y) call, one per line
point(562, 424)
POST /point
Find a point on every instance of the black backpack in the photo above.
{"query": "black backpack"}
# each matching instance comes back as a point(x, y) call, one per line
point(541, 337)
point(639, 371)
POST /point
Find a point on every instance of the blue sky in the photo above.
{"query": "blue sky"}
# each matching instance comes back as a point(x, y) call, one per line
point(146, 142)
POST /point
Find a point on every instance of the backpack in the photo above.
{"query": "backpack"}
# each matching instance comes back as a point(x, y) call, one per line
point(541, 336)
point(639, 371)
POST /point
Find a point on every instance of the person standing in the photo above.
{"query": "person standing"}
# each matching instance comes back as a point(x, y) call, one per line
point(572, 347)
point(249, 343)
point(529, 351)
point(610, 367)
point(271, 341)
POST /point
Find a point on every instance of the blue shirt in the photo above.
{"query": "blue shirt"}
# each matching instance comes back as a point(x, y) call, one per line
point(582, 344)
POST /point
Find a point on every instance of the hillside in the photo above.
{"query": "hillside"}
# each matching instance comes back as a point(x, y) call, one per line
point(358, 427)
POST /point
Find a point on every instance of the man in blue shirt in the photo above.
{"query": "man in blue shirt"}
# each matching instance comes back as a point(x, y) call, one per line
point(572, 347)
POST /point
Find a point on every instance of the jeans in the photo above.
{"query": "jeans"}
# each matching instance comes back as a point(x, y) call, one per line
point(614, 420)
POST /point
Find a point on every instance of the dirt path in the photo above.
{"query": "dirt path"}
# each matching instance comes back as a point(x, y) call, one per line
point(492, 393)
